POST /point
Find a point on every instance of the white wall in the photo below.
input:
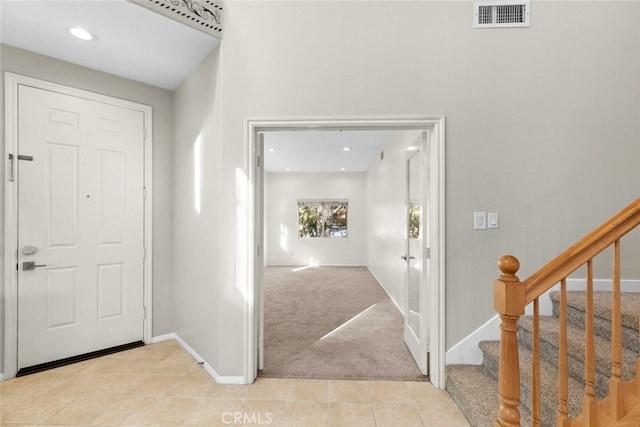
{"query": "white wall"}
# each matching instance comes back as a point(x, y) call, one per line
point(386, 194)
point(542, 122)
point(542, 127)
point(38, 66)
point(203, 260)
point(282, 244)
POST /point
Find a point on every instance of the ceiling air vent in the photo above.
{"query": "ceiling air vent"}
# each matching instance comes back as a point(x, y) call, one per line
point(501, 14)
point(203, 15)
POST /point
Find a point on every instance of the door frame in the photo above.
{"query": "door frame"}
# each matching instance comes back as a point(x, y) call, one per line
point(254, 318)
point(12, 82)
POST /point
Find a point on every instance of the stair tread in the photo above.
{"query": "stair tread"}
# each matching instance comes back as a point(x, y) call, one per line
point(550, 331)
point(548, 382)
point(476, 394)
point(630, 305)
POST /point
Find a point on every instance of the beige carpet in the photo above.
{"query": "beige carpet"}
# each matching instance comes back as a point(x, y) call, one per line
point(332, 323)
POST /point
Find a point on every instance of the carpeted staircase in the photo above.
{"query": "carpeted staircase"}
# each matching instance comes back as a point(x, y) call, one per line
point(475, 388)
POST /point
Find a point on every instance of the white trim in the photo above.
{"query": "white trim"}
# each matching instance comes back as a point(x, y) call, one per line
point(467, 351)
point(220, 379)
point(12, 81)
point(387, 292)
point(2, 377)
point(435, 124)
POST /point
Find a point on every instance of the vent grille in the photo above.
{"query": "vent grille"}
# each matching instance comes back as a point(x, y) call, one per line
point(503, 14)
point(203, 15)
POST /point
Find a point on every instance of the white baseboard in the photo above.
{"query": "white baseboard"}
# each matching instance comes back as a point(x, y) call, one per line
point(385, 290)
point(2, 376)
point(467, 352)
point(220, 379)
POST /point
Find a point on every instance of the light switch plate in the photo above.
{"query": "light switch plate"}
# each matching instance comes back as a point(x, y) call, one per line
point(492, 220)
point(479, 220)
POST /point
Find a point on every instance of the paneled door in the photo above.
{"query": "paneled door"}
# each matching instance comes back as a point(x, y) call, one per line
point(417, 253)
point(80, 226)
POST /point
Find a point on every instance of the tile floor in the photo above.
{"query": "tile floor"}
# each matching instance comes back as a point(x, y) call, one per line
point(161, 384)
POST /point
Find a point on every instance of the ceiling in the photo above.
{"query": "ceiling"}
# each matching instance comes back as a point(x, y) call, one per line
point(139, 44)
point(132, 41)
point(322, 150)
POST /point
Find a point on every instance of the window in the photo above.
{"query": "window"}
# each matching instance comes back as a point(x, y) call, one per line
point(322, 218)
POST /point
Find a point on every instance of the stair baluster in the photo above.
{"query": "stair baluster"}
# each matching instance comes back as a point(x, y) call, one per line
point(589, 404)
point(535, 392)
point(562, 419)
point(616, 385)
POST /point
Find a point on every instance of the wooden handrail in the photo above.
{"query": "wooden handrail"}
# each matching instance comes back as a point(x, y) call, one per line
point(511, 296)
point(578, 254)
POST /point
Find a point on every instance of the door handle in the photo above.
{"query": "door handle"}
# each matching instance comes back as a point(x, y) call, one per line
point(404, 257)
point(31, 265)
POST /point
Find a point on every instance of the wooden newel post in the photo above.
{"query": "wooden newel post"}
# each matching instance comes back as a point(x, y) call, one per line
point(508, 301)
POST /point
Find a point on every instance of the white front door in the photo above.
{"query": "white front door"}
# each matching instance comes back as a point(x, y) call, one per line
point(417, 253)
point(80, 226)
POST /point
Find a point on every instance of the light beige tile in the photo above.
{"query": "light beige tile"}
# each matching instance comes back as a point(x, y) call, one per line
point(12, 402)
point(389, 392)
point(396, 415)
point(271, 411)
point(308, 414)
point(192, 386)
point(121, 409)
point(38, 409)
point(81, 411)
point(154, 385)
point(227, 391)
point(174, 365)
point(315, 390)
point(16, 386)
point(103, 365)
point(78, 385)
point(214, 412)
point(166, 411)
point(425, 393)
point(119, 385)
point(436, 416)
point(349, 391)
point(270, 389)
point(351, 415)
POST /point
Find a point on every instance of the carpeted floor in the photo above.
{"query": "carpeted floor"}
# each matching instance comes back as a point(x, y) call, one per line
point(332, 323)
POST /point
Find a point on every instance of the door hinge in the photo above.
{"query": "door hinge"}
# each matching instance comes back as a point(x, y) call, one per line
point(259, 251)
point(144, 312)
point(11, 169)
point(144, 193)
point(427, 345)
point(144, 134)
point(144, 254)
point(427, 253)
point(259, 161)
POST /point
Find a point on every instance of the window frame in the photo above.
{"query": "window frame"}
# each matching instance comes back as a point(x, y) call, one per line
point(324, 223)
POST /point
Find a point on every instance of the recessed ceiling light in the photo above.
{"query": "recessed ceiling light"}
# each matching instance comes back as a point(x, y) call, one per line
point(343, 169)
point(346, 149)
point(82, 34)
point(287, 169)
point(271, 149)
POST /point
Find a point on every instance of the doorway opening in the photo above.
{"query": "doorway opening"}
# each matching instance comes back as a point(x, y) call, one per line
point(433, 130)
